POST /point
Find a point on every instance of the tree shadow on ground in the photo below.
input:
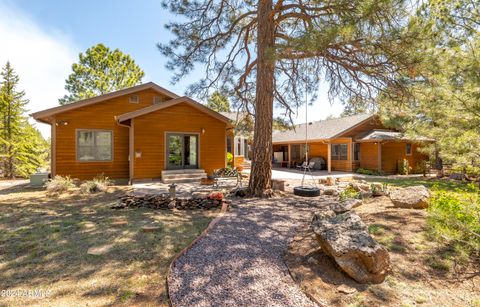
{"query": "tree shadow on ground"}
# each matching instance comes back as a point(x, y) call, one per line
point(44, 244)
point(241, 259)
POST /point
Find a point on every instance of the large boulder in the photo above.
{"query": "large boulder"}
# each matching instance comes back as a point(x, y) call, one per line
point(345, 238)
point(415, 197)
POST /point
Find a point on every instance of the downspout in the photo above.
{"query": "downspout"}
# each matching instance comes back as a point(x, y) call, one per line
point(130, 150)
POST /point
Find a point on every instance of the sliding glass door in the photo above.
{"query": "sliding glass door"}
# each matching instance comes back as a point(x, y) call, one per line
point(182, 151)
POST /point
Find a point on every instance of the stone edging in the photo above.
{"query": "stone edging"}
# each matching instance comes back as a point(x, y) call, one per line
point(212, 223)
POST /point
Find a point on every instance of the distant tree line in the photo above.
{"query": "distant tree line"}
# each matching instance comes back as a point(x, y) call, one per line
point(22, 148)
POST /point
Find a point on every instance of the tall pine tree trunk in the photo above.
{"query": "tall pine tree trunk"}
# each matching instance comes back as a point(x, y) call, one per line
point(260, 179)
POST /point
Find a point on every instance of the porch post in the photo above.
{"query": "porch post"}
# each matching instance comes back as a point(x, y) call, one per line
point(131, 151)
point(379, 157)
point(329, 159)
point(53, 148)
point(289, 156)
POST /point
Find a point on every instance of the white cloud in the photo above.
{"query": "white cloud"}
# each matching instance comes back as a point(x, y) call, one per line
point(42, 59)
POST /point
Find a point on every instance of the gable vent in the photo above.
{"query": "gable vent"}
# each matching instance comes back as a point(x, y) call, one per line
point(157, 99)
point(133, 99)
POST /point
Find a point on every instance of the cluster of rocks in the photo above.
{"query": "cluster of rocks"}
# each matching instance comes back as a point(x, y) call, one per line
point(165, 202)
point(334, 187)
point(345, 238)
point(415, 197)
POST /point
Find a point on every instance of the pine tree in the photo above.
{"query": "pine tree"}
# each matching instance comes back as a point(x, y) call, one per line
point(270, 52)
point(100, 71)
point(218, 102)
point(445, 101)
point(12, 108)
point(22, 148)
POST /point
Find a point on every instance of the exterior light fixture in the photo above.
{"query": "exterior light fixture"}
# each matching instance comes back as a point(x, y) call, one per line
point(203, 130)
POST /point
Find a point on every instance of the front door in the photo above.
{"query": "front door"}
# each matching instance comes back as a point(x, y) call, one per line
point(182, 151)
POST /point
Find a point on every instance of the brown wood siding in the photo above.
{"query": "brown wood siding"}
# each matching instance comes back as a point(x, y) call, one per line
point(369, 156)
point(150, 137)
point(392, 152)
point(97, 116)
point(319, 150)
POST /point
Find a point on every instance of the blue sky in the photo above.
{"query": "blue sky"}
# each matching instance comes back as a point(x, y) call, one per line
point(43, 38)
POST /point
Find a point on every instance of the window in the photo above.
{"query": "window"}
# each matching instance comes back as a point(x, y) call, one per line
point(157, 99)
point(245, 148)
point(408, 149)
point(133, 99)
point(339, 151)
point(356, 151)
point(229, 144)
point(238, 148)
point(94, 145)
point(298, 152)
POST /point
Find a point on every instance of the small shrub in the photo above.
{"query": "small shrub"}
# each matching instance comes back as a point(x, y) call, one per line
point(403, 167)
point(376, 229)
point(365, 171)
point(98, 184)
point(420, 167)
point(438, 263)
point(349, 192)
point(59, 185)
point(454, 218)
point(229, 159)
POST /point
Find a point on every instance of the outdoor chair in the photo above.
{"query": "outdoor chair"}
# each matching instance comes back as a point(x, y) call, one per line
point(306, 166)
point(225, 173)
point(303, 166)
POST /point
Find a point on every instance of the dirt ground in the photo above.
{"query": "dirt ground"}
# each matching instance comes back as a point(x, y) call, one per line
point(421, 272)
point(44, 244)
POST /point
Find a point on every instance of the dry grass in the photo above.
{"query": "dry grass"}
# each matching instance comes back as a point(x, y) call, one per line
point(44, 243)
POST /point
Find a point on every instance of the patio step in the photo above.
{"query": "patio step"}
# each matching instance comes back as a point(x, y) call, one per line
point(183, 176)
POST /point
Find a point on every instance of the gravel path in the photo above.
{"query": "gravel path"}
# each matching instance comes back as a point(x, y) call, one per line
point(240, 261)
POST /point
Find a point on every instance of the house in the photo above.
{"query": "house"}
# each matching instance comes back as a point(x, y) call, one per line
point(139, 133)
point(346, 144)
point(241, 142)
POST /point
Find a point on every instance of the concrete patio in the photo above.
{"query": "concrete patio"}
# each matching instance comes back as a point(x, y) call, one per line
point(291, 176)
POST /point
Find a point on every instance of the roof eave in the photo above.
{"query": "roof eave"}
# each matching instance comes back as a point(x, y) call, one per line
point(126, 116)
point(93, 100)
point(353, 127)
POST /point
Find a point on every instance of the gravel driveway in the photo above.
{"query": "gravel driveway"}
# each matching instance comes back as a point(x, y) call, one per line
point(240, 261)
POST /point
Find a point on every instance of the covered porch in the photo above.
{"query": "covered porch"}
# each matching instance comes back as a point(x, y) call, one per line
point(339, 154)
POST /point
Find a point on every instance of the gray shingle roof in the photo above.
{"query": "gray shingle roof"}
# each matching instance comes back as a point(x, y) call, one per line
point(233, 116)
point(387, 135)
point(324, 129)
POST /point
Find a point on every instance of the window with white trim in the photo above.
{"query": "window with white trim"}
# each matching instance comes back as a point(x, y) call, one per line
point(339, 151)
point(245, 148)
point(94, 145)
point(356, 151)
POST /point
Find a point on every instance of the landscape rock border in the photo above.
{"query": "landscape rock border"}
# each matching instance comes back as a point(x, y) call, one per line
point(218, 218)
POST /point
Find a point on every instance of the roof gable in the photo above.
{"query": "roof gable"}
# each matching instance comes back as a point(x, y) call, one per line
point(126, 116)
point(321, 130)
point(42, 115)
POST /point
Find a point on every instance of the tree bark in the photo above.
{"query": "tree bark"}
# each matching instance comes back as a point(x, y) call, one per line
point(261, 175)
